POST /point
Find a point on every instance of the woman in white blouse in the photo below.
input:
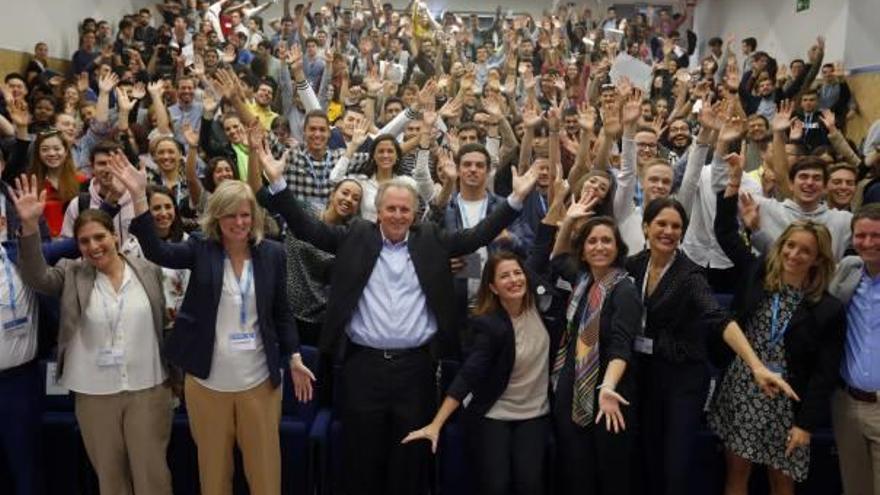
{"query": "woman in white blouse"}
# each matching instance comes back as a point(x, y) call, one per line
point(381, 164)
point(112, 327)
point(232, 335)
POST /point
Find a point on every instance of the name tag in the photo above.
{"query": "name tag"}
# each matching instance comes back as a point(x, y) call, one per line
point(644, 345)
point(15, 327)
point(243, 341)
point(110, 357)
point(775, 367)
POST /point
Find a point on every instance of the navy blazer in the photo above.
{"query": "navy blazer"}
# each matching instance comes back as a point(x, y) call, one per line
point(191, 343)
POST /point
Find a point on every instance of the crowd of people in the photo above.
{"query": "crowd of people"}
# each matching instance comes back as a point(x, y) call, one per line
point(597, 216)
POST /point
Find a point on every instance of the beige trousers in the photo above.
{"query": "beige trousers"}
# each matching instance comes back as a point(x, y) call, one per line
point(126, 438)
point(251, 418)
point(857, 433)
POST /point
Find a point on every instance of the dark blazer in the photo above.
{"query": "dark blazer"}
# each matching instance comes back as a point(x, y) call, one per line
point(357, 247)
point(486, 371)
point(681, 313)
point(191, 344)
point(814, 340)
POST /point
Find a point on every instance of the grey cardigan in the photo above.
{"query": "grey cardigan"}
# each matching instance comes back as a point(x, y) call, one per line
point(73, 281)
point(847, 278)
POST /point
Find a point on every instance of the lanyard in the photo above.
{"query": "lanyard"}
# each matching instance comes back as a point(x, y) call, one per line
point(10, 282)
point(244, 290)
point(464, 217)
point(113, 324)
point(543, 204)
point(311, 164)
point(777, 333)
point(178, 191)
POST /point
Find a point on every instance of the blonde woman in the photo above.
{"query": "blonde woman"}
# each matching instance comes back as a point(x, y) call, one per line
point(231, 335)
point(795, 327)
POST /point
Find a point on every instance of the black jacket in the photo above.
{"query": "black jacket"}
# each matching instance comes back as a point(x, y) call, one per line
point(357, 247)
point(814, 340)
point(682, 314)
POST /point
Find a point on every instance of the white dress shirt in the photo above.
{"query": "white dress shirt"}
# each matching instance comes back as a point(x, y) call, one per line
point(18, 338)
point(116, 348)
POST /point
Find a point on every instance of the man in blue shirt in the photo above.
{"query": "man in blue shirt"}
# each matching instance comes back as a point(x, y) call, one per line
point(855, 407)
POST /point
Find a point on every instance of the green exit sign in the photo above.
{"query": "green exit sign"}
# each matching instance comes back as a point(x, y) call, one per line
point(802, 5)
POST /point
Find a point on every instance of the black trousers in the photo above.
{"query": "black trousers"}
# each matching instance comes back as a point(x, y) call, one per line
point(21, 409)
point(673, 395)
point(508, 456)
point(383, 399)
point(590, 459)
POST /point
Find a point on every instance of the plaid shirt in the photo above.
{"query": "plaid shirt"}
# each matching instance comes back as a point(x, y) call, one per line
point(308, 178)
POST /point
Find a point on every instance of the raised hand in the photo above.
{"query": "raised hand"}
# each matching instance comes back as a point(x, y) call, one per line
point(274, 168)
point(531, 118)
point(733, 129)
point(587, 117)
point(108, 82)
point(190, 135)
point(446, 165)
point(782, 120)
point(611, 125)
point(124, 104)
point(19, 113)
point(797, 130)
point(209, 102)
point(156, 89)
point(138, 91)
point(29, 200)
point(632, 108)
point(82, 82)
point(582, 208)
point(609, 408)
point(359, 134)
point(827, 117)
point(523, 184)
point(451, 109)
point(749, 211)
point(134, 179)
point(426, 99)
point(302, 378)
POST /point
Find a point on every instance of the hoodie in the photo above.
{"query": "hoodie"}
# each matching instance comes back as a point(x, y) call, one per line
point(776, 216)
point(121, 221)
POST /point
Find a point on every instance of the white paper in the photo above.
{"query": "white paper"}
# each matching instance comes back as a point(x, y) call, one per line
point(638, 72)
point(395, 71)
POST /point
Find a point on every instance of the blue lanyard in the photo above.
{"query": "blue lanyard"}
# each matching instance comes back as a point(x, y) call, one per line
point(311, 164)
point(777, 333)
point(543, 204)
point(10, 282)
point(244, 289)
point(464, 218)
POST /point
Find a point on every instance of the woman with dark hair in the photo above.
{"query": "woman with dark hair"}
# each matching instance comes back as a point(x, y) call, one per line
point(111, 330)
point(218, 169)
point(169, 226)
point(592, 372)
point(794, 324)
point(308, 268)
point(507, 375)
point(680, 317)
point(380, 164)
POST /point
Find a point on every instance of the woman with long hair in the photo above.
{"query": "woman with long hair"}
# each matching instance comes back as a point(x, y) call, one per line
point(308, 268)
point(508, 375)
point(166, 154)
point(680, 317)
point(232, 336)
point(169, 227)
point(794, 325)
point(52, 164)
point(111, 330)
point(593, 375)
point(382, 163)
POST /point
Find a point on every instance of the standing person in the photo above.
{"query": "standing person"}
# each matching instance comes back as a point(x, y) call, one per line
point(232, 335)
point(508, 373)
point(855, 409)
point(53, 165)
point(594, 365)
point(389, 315)
point(793, 324)
point(108, 346)
point(680, 316)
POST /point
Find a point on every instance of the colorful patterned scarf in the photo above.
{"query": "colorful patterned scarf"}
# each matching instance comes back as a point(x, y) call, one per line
point(586, 359)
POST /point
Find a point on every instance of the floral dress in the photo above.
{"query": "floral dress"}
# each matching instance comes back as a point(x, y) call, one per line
point(750, 424)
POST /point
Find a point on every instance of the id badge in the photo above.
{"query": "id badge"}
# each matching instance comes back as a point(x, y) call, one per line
point(243, 341)
point(53, 384)
point(775, 367)
point(16, 327)
point(644, 345)
point(110, 357)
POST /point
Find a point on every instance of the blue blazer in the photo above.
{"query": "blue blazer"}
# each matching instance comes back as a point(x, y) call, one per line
point(191, 343)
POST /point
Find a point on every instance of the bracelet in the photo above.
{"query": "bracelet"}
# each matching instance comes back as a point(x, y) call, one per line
point(605, 385)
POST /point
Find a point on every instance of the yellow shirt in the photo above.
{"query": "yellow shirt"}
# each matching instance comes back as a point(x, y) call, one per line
point(264, 115)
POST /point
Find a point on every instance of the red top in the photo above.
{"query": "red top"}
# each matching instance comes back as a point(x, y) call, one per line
point(55, 208)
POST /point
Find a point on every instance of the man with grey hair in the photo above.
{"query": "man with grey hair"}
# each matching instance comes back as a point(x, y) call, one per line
point(389, 317)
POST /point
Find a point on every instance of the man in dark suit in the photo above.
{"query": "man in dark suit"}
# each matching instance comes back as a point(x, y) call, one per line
point(390, 313)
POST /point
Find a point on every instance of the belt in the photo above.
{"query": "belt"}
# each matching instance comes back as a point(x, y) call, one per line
point(860, 395)
point(387, 354)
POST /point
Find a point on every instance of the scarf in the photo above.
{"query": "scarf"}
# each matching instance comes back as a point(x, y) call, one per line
point(586, 328)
